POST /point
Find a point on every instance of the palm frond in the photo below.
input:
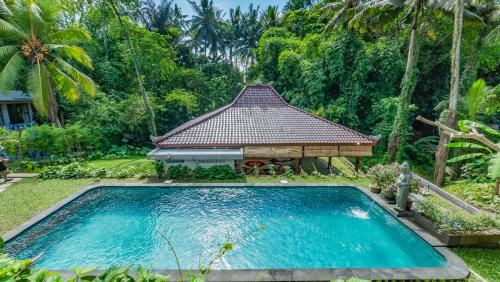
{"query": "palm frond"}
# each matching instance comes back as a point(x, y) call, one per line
point(39, 86)
point(7, 50)
point(12, 30)
point(493, 36)
point(69, 35)
point(63, 83)
point(4, 9)
point(379, 3)
point(74, 52)
point(10, 72)
point(84, 81)
point(475, 96)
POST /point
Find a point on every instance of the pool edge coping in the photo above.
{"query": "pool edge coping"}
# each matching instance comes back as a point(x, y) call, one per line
point(454, 269)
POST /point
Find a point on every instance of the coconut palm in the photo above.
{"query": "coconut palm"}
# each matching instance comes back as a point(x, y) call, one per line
point(33, 47)
point(340, 12)
point(270, 17)
point(204, 23)
point(234, 31)
point(251, 31)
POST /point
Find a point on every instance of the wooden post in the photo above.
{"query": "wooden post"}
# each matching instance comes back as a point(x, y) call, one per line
point(298, 165)
point(356, 165)
point(329, 163)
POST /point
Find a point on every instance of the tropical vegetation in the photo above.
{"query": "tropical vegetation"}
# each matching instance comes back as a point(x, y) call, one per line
point(421, 75)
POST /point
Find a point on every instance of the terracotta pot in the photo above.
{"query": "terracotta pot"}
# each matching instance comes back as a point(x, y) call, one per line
point(375, 189)
point(389, 195)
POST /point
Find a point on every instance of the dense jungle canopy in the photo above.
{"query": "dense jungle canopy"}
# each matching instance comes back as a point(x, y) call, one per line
point(112, 67)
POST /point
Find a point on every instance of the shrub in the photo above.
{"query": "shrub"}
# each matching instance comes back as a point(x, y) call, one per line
point(386, 175)
point(271, 170)
point(453, 220)
point(50, 172)
point(100, 173)
point(255, 171)
point(178, 172)
point(288, 172)
point(215, 172)
point(160, 169)
point(124, 173)
point(303, 173)
point(201, 172)
point(222, 172)
point(73, 170)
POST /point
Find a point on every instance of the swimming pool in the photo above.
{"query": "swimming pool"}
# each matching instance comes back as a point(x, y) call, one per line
point(273, 227)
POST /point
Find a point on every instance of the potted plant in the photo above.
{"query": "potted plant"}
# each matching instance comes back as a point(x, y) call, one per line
point(382, 176)
point(390, 192)
point(374, 188)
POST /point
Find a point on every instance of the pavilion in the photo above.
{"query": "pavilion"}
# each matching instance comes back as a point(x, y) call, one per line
point(258, 128)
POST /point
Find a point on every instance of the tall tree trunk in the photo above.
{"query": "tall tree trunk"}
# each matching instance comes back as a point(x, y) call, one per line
point(442, 150)
point(400, 126)
point(149, 109)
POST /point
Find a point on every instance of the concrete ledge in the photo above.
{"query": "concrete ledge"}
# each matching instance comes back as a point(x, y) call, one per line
point(455, 268)
point(488, 238)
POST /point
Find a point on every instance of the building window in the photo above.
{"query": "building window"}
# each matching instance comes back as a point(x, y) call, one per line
point(18, 113)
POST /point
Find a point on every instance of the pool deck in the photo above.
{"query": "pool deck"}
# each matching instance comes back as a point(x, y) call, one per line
point(455, 268)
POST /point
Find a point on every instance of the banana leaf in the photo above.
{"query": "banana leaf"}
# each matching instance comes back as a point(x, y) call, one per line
point(462, 125)
point(468, 145)
point(465, 157)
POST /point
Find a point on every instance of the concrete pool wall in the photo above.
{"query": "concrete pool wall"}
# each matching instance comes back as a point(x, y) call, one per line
point(454, 268)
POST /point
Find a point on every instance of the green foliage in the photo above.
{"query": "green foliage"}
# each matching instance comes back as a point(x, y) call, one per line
point(44, 55)
point(288, 172)
point(73, 170)
point(178, 172)
point(20, 270)
point(271, 170)
point(255, 171)
point(215, 172)
point(455, 220)
point(494, 167)
point(478, 194)
point(385, 177)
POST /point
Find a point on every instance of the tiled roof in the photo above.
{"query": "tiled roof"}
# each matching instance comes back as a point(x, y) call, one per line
point(260, 116)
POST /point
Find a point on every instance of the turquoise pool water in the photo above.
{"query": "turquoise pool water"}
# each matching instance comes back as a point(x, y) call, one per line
point(273, 227)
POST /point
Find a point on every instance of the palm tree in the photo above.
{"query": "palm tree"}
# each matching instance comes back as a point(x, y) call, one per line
point(340, 12)
point(204, 23)
point(155, 16)
point(32, 44)
point(251, 31)
point(270, 17)
point(234, 31)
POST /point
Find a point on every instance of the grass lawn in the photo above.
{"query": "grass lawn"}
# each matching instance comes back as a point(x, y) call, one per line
point(137, 164)
point(485, 262)
point(478, 194)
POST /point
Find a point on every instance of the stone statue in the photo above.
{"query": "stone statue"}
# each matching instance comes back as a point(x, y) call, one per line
point(403, 186)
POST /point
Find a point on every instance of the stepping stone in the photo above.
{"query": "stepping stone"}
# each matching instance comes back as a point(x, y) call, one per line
point(4, 186)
